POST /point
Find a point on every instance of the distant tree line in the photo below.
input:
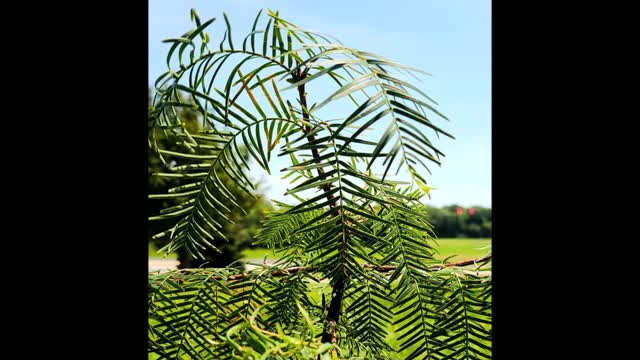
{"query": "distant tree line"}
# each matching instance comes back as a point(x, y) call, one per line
point(457, 221)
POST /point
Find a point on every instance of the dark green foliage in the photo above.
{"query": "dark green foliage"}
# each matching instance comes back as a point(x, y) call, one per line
point(448, 224)
point(239, 233)
point(191, 311)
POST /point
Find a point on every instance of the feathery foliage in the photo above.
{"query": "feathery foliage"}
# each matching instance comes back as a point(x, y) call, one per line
point(351, 222)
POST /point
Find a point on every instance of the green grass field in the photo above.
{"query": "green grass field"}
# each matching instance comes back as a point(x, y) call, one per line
point(464, 249)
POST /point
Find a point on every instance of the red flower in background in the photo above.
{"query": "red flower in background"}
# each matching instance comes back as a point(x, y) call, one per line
point(472, 211)
point(459, 211)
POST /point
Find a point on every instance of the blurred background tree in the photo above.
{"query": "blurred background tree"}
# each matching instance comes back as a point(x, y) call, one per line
point(456, 221)
point(239, 234)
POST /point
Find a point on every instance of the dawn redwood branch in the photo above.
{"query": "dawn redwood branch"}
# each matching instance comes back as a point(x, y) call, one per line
point(438, 266)
point(467, 262)
point(335, 305)
point(297, 269)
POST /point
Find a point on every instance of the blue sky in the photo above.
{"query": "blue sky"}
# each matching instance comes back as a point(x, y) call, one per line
point(450, 39)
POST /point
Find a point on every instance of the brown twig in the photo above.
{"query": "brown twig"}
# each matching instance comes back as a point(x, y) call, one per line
point(387, 268)
point(335, 305)
point(297, 269)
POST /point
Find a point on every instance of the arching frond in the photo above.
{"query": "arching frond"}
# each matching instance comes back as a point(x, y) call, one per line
point(191, 310)
point(367, 310)
point(280, 232)
point(445, 316)
point(467, 318)
point(415, 315)
point(186, 316)
point(248, 109)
